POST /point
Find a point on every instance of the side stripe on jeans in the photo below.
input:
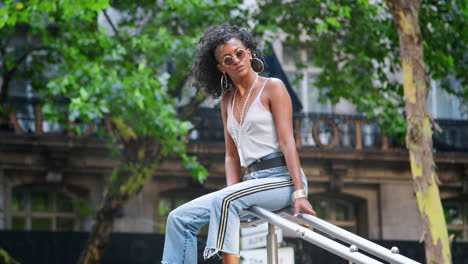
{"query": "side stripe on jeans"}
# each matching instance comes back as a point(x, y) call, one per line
point(227, 200)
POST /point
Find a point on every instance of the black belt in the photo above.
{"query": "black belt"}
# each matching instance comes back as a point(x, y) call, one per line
point(267, 163)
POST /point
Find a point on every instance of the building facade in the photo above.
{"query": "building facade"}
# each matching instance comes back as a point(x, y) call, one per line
point(358, 179)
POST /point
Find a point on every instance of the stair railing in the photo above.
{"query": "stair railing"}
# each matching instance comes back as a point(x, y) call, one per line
point(299, 226)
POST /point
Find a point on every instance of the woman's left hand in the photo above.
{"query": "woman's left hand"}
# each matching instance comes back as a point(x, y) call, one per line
point(302, 204)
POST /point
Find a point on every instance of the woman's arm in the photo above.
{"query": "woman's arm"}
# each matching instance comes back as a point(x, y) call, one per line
point(232, 162)
point(281, 108)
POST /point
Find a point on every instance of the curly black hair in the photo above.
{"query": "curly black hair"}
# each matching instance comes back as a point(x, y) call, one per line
point(206, 75)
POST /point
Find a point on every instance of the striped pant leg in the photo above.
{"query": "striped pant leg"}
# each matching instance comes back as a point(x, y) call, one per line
point(183, 224)
point(270, 193)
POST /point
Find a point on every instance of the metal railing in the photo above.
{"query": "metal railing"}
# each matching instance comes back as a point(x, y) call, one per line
point(338, 132)
point(312, 130)
point(24, 116)
point(299, 226)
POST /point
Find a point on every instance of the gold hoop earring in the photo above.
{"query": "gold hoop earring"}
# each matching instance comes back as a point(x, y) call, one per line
point(261, 62)
point(224, 82)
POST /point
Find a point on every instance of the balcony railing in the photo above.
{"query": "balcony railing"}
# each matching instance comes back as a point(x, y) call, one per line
point(331, 131)
point(338, 132)
point(312, 130)
point(24, 116)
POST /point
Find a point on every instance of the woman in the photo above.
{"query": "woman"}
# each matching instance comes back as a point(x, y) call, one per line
point(257, 118)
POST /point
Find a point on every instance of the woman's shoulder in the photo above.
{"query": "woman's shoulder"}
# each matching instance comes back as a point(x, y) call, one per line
point(274, 86)
point(272, 81)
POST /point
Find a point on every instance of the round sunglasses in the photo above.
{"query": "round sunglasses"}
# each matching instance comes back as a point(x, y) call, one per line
point(229, 60)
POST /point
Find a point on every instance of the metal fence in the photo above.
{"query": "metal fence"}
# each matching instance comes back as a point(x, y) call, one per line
point(30, 247)
point(127, 248)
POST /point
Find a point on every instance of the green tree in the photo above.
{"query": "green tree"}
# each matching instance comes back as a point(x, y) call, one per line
point(119, 74)
point(360, 46)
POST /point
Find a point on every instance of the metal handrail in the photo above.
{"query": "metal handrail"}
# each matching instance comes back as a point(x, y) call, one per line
point(390, 255)
point(286, 221)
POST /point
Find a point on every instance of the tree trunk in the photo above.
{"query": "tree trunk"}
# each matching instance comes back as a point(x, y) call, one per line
point(5, 84)
point(139, 160)
point(118, 194)
point(99, 236)
point(419, 131)
point(5, 258)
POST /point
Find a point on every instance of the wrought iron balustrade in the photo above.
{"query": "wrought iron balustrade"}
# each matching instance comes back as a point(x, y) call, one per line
point(312, 130)
point(23, 116)
point(340, 132)
point(332, 131)
point(454, 136)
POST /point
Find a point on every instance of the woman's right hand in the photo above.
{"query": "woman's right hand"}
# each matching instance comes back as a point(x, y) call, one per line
point(302, 204)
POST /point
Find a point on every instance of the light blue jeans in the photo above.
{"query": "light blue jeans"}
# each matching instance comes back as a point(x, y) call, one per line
point(270, 188)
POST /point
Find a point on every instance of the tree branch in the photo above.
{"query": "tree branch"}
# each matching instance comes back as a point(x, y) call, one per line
point(22, 58)
point(112, 25)
point(117, 35)
point(2, 54)
point(5, 258)
point(7, 40)
point(8, 74)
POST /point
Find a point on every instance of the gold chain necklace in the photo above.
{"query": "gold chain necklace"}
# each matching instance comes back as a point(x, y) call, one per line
point(237, 137)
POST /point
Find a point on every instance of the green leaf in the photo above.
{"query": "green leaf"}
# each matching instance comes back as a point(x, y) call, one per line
point(84, 94)
point(333, 21)
point(321, 27)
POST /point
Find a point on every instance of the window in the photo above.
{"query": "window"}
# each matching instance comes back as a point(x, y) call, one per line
point(456, 217)
point(172, 199)
point(302, 79)
point(338, 212)
point(443, 105)
point(40, 208)
point(165, 205)
point(346, 211)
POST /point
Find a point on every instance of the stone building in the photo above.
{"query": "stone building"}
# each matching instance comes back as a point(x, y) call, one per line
point(358, 179)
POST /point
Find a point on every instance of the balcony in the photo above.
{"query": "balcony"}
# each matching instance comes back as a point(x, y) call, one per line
point(25, 117)
point(312, 130)
point(337, 132)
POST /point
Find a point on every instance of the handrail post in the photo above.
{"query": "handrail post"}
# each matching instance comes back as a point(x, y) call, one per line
point(272, 245)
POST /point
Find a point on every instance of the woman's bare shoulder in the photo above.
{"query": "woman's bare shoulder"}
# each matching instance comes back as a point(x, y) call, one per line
point(275, 86)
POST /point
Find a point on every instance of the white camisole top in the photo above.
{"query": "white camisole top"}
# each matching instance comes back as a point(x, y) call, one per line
point(258, 136)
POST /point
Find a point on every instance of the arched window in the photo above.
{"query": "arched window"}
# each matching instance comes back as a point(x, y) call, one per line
point(47, 207)
point(171, 199)
point(456, 217)
point(346, 211)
